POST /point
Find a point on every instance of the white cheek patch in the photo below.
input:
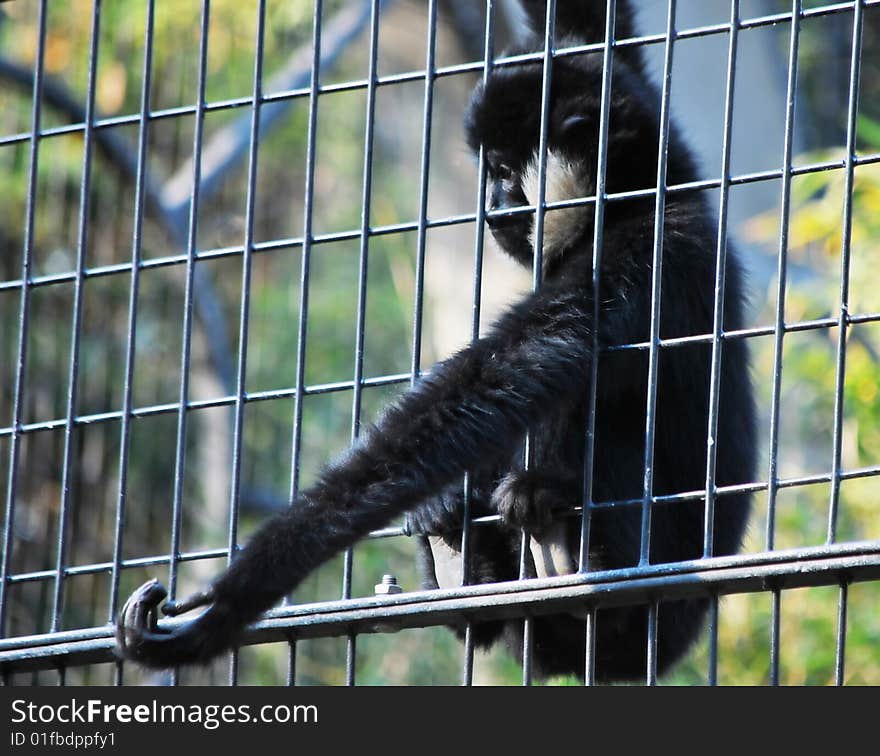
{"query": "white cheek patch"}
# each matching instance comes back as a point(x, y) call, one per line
point(564, 181)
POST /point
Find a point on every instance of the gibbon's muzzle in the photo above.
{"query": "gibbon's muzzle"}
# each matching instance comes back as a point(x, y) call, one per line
point(502, 199)
point(496, 202)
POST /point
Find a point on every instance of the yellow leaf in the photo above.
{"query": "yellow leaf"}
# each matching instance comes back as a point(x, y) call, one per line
point(57, 54)
point(111, 88)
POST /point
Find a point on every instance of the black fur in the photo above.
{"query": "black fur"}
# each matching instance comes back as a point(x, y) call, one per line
point(531, 373)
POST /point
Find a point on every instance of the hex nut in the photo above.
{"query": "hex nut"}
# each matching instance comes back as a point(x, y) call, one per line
point(388, 586)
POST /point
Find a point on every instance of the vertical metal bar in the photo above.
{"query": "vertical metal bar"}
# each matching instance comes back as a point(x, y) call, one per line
point(845, 255)
point(537, 274)
point(365, 221)
point(23, 317)
point(549, 48)
point(291, 663)
point(590, 653)
point(423, 190)
point(421, 241)
point(657, 271)
point(232, 675)
point(350, 659)
point(598, 233)
point(362, 287)
point(653, 611)
point(308, 212)
point(528, 649)
point(136, 245)
point(476, 308)
point(305, 268)
point(782, 274)
point(713, 641)
point(840, 650)
point(192, 239)
point(779, 330)
point(720, 278)
point(774, 636)
point(76, 324)
point(186, 346)
point(480, 227)
point(467, 676)
point(244, 314)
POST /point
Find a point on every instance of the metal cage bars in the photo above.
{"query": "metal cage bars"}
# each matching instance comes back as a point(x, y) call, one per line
point(192, 256)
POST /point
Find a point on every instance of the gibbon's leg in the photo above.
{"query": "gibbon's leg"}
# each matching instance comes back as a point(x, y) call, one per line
point(493, 558)
point(493, 555)
point(469, 412)
point(437, 525)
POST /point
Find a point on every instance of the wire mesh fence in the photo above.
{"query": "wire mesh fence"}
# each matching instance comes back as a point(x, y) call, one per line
point(233, 232)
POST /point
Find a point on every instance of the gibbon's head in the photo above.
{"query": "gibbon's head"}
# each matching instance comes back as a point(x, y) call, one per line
point(504, 117)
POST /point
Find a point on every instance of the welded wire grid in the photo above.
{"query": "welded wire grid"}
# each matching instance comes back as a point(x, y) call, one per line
point(58, 634)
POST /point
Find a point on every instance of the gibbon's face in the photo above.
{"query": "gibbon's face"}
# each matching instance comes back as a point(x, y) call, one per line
point(504, 118)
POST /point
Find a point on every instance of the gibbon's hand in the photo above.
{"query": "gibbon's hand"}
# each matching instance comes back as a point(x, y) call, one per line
point(139, 638)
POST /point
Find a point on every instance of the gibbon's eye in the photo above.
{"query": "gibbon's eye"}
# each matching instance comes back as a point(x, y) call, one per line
point(497, 168)
point(505, 174)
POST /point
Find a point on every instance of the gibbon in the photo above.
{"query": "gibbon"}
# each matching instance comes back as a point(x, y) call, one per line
point(530, 374)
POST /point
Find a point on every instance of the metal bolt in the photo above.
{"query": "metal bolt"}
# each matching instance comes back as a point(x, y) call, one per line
point(388, 586)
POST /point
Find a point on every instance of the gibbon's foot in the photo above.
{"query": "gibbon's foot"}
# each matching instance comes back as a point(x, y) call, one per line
point(441, 516)
point(140, 639)
point(528, 499)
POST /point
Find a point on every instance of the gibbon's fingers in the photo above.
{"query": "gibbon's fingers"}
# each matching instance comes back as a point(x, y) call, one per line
point(201, 598)
point(140, 639)
point(138, 614)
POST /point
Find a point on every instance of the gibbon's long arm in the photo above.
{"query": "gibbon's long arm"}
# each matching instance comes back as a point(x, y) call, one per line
point(469, 412)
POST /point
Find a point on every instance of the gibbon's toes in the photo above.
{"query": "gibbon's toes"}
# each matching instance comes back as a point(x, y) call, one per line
point(522, 502)
point(138, 621)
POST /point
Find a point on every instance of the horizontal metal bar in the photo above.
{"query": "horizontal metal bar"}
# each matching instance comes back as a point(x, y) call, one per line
point(778, 570)
point(392, 532)
point(797, 326)
point(402, 378)
point(439, 72)
point(220, 401)
point(413, 226)
point(99, 567)
point(699, 494)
